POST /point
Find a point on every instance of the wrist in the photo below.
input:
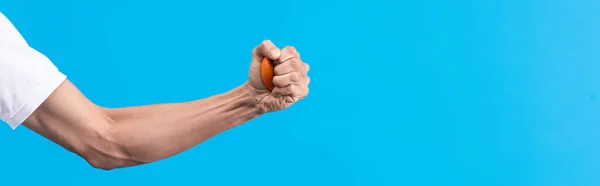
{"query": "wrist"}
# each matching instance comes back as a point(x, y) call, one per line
point(249, 98)
point(254, 96)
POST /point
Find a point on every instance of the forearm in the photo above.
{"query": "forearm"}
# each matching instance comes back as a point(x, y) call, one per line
point(113, 138)
point(153, 132)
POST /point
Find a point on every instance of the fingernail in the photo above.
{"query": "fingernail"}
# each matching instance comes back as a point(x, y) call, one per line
point(275, 53)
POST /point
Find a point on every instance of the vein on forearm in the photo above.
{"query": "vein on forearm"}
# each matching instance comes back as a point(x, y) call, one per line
point(150, 133)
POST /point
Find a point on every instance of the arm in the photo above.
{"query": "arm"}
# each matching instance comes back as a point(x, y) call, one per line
point(112, 138)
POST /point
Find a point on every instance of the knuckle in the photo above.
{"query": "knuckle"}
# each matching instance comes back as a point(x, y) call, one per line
point(295, 77)
point(300, 77)
point(290, 49)
point(304, 93)
point(295, 62)
point(265, 42)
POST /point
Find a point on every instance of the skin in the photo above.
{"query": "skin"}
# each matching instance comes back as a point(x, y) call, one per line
point(109, 138)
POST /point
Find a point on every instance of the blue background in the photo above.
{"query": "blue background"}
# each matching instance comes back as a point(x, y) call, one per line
point(462, 92)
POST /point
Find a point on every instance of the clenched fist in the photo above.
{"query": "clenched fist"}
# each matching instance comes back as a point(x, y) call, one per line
point(291, 79)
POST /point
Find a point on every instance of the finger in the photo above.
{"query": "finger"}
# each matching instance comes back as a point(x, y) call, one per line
point(266, 49)
point(292, 65)
point(296, 78)
point(295, 92)
point(283, 91)
point(287, 53)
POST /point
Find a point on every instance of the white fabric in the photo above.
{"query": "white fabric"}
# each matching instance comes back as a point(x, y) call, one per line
point(27, 77)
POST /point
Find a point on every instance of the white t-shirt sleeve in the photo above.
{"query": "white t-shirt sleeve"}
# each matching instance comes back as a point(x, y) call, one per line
point(27, 77)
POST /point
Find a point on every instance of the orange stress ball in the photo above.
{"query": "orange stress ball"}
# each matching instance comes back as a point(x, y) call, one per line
point(266, 71)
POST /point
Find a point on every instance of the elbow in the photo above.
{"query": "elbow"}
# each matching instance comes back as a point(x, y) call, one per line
point(105, 154)
point(98, 151)
point(102, 159)
point(100, 164)
point(108, 160)
point(102, 150)
point(99, 159)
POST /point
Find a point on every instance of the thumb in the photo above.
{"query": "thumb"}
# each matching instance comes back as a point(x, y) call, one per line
point(266, 49)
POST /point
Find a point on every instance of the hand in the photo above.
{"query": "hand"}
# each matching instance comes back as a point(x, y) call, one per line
point(291, 79)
